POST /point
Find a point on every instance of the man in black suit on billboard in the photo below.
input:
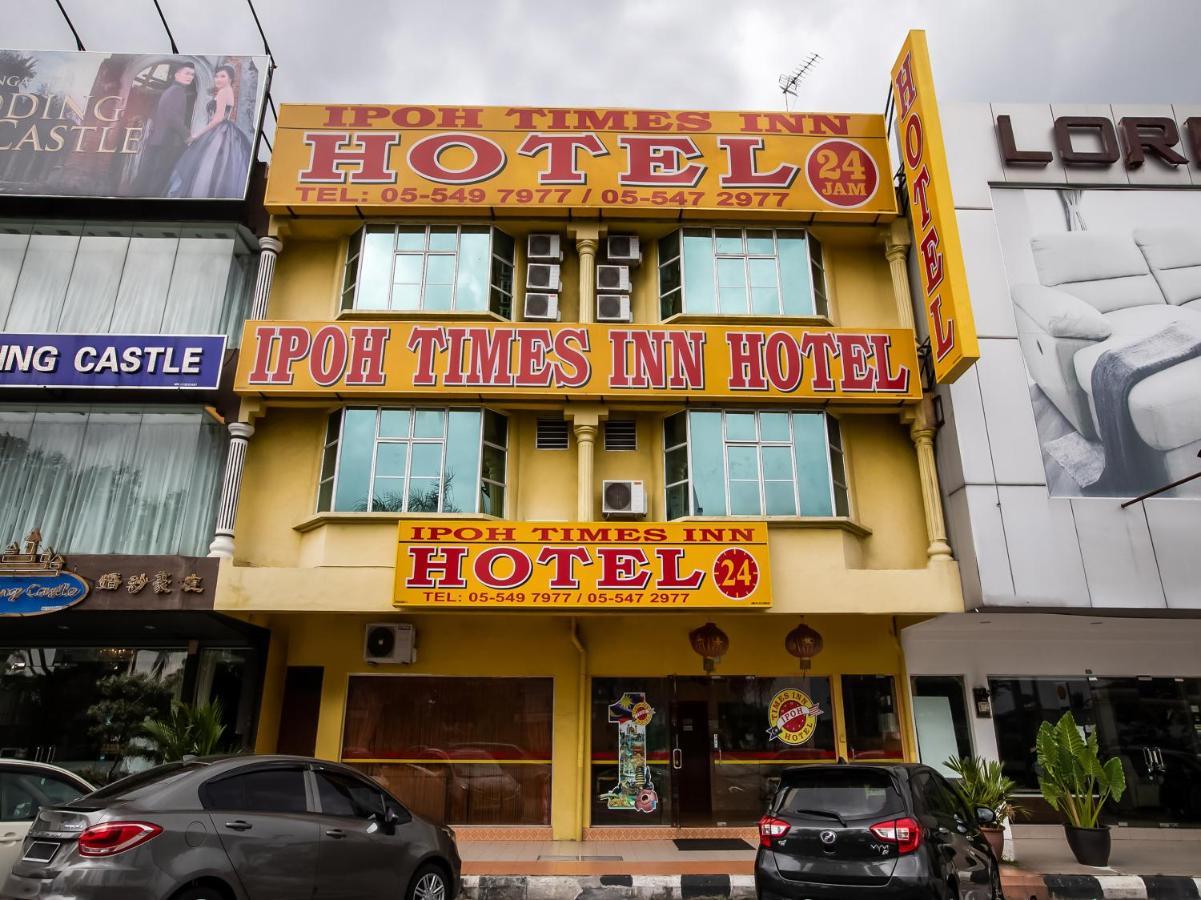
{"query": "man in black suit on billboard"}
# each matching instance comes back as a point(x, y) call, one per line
point(170, 129)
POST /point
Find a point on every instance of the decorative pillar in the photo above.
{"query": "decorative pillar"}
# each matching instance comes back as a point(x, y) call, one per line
point(921, 432)
point(586, 248)
point(585, 443)
point(896, 251)
point(231, 487)
point(270, 247)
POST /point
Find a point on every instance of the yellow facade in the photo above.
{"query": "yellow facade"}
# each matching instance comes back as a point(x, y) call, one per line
point(316, 579)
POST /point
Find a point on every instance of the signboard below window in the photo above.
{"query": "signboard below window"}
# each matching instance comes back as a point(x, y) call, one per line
point(589, 565)
point(111, 361)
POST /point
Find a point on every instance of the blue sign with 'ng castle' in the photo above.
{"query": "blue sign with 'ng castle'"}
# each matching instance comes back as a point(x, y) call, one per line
point(33, 583)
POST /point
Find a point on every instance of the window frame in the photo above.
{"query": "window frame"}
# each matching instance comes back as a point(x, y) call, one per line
point(831, 423)
point(819, 292)
point(348, 295)
point(339, 415)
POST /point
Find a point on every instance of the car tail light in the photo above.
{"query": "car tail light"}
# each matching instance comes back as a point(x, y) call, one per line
point(111, 838)
point(771, 828)
point(905, 833)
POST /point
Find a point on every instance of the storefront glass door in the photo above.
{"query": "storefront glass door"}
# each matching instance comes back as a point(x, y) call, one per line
point(695, 751)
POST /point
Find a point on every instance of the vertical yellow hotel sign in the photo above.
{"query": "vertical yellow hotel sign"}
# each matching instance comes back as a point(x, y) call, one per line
point(940, 258)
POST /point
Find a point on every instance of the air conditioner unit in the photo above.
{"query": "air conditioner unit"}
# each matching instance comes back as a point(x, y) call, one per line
point(623, 498)
point(543, 248)
point(542, 307)
point(613, 278)
point(543, 277)
point(623, 248)
point(613, 308)
point(389, 643)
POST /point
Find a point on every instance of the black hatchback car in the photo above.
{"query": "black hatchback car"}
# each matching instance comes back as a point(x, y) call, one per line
point(892, 832)
point(236, 828)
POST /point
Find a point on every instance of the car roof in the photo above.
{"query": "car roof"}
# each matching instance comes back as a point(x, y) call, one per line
point(31, 766)
point(905, 768)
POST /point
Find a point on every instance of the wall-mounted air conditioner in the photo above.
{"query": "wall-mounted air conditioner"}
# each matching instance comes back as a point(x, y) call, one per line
point(623, 248)
point(613, 308)
point(613, 278)
point(543, 277)
point(390, 643)
point(543, 248)
point(541, 307)
point(623, 498)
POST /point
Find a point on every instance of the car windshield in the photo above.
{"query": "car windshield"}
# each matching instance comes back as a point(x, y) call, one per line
point(849, 793)
point(140, 780)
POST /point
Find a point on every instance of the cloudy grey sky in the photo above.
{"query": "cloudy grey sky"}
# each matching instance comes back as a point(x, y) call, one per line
point(659, 53)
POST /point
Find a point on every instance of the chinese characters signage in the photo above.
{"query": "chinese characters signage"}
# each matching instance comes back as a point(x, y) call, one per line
point(942, 277)
point(389, 158)
point(145, 125)
point(111, 361)
point(590, 565)
point(397, 359)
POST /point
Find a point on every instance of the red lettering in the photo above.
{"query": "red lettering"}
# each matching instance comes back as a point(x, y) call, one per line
point(564, 559)
point(906, 90)
point(885, 379)
point(620, 568)
point(484, 567)
point(295, 342)
point(931, 261)
point(820, 347)
point(783, 362)
point(532, 369)
point(659, 161)
point(561, 155)
point(351, 157)
point(426, 341)
point(367, 345)
point(920, 185)
point(487, 158)
point(688, 360)
point(264, 340)
point(445, 562)
point(856, 366)
point(571, 346)
point(746, 361)
point(669, 559)
point(913, 142)
point(942, 331)
point(327, 360)
point(742, 166)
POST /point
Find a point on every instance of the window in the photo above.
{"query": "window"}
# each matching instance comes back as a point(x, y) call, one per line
point(741, 271)
point(414, 460)
point(461, 756)
point(115, 277)
point(348, 797)
point(940, 714)
point(94, 479)
point(22, 794)
point(466, 268)
point(853, 793)
point(621, 434)
point(870, 709)
point(719, 463)
point(262, 790)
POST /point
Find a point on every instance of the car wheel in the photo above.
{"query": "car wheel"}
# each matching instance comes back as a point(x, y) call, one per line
point(429, 883)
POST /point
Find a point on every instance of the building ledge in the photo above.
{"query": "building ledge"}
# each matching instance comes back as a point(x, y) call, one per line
point(842, 523)
point(375, 518)
point(735, 319)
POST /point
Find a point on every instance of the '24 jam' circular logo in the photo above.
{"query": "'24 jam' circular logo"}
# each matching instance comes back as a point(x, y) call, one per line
point(735, 573)
point(842, 173)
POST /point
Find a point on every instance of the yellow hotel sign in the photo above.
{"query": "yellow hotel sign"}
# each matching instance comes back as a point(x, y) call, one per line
point(940, 258)
point(387, 159)
point(374, 359)
point(581, 565)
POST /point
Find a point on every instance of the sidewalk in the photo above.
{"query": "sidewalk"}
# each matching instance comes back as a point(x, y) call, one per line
point(1149, 863)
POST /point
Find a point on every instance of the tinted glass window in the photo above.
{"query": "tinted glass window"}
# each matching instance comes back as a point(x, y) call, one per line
point(853, 793)
point(934, 798)
point(264, 790)
point(163, 773)
point(342, 795)
point(22, 794)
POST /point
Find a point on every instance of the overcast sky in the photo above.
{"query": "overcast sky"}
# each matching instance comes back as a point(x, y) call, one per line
point(659, 53)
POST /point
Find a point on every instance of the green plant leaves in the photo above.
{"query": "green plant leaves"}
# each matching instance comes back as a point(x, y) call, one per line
point(1074, 780)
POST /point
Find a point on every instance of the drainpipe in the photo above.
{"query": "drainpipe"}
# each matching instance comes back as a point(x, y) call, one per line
point(581, 730)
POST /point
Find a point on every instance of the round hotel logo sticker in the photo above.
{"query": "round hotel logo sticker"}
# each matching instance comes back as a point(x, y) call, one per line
point(735, 573)
point(842, 173)
point(792, 716)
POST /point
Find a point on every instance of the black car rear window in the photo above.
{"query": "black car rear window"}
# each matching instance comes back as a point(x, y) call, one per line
point(140, 780)
point(277, 790)
point(851, 793)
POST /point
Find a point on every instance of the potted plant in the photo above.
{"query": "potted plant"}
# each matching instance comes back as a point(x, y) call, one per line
point(186, 730)
point(1074, 781)
point(982, 785)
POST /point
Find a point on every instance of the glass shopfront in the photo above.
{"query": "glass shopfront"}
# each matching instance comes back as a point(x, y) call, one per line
point(1153, 725)
point(691, 751)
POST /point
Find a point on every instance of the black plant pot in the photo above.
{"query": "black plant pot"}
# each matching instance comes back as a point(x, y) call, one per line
point(1089, 845)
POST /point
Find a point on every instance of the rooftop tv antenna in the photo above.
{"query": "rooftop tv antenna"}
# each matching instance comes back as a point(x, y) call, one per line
point(790, 81)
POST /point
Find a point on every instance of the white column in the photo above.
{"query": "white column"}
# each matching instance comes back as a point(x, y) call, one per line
point(231, 487)
point(585, 444)
point(270, 248)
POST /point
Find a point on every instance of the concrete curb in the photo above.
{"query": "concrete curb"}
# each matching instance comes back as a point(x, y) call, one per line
point(742, 887)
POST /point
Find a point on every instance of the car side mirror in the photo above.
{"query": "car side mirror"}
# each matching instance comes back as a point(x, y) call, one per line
point(986, 816)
